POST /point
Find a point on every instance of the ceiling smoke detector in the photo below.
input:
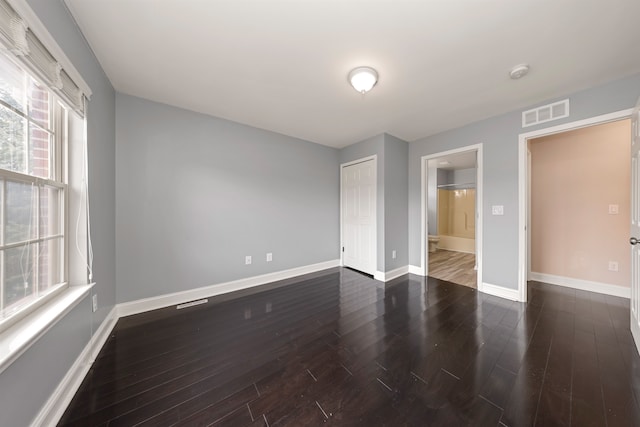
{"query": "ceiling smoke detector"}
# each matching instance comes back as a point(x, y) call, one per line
point(519, 71)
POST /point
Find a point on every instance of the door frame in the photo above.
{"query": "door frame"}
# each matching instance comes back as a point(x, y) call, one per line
point(375, 211)
point(524, 177)
point(424, 227)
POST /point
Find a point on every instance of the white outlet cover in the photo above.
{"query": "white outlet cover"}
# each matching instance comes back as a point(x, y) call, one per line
point(247, 260)
point(613, 266)
point(614, 209)
point(393, 254)
point(497, 210)
point(269, 257)
point(94, 301)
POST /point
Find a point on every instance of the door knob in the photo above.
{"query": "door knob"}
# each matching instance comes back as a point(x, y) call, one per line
point(634, 241)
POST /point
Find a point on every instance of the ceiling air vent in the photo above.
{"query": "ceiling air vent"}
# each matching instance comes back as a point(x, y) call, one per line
point(545, 113)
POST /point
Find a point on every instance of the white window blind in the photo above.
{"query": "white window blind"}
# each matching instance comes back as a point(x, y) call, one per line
point(13, 29)
point(22, 41)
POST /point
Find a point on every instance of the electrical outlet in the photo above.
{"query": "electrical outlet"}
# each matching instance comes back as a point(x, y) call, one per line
point(269, 257)
point(614, 209)
point(94, 302)
point(247, 260)
point(393, 254)
point(613, 266)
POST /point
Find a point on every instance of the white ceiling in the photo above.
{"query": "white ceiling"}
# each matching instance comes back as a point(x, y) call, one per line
point(283, 65)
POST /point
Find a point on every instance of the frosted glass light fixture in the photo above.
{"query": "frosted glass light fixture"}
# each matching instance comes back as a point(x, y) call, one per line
point(363, 78)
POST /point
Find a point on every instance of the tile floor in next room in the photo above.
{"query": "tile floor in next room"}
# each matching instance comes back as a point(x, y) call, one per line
point(338, 348)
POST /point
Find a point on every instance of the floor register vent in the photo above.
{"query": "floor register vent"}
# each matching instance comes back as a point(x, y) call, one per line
point(192, 303)
point(545, 113)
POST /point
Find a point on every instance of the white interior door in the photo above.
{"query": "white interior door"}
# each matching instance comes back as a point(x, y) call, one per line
point(635, 225)
point(359, 216)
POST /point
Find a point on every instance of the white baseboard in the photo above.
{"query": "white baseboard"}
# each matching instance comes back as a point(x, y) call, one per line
point(416, 270)
point(499, 291)
point(390, 275)
point(57, 403)
point(583, 285)
point(167, 300)
point(400, 271)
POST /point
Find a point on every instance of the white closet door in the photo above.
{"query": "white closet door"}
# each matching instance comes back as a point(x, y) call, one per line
point(359, 216)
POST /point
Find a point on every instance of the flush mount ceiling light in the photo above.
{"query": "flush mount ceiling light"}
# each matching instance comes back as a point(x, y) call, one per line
point(519, 71)
point(363, 78)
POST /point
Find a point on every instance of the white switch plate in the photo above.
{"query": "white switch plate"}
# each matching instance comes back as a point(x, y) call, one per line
point(269, 257)
point(497, 210)
point(614, 209)
point(94, 302)
point(613, 266)
point(393, 254)
point(247, 260)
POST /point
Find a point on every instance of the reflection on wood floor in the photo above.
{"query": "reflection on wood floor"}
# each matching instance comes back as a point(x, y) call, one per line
point(455, 267)
point(336, 348)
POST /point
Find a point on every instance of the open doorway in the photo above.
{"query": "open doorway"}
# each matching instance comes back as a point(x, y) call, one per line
point(587, 261)
point(452, 190)
point(580, 194)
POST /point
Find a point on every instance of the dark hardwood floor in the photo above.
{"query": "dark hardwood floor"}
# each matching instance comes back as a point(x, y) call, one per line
point(339, 348)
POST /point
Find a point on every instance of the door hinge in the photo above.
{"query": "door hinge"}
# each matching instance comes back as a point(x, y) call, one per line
point(343, 249)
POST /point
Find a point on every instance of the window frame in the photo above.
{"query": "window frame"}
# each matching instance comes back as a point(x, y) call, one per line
point(58, 178)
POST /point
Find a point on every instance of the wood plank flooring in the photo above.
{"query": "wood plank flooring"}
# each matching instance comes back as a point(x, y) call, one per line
point(455, 267)
point(338, 348)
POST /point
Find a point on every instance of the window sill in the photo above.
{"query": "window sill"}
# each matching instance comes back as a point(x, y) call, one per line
point(19, 337)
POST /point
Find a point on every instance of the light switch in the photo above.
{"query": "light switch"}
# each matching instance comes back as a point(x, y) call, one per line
point(613, 210)
point(497, 210)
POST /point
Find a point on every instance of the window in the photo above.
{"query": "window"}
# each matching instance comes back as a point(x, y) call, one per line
point(33, 189)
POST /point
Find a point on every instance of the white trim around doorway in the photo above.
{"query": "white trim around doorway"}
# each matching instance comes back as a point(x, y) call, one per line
point(523, 179)
point(423, 269)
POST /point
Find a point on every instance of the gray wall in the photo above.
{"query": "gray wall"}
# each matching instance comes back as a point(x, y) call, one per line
point(195, 194)
point(396, 198)
point(462, 176)
point(499, 136)
point(34, 376)
point(442, 177)
point(359, 150)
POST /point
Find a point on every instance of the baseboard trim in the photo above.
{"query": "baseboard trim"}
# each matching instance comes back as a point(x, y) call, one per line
point(416, 270)
point(57, 403)
point(393, 274)
point(385, 276)
point(499, 291)
point(583, 285)
point(167, 300)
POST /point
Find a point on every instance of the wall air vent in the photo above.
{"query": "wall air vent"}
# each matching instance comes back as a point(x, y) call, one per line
point(545, 113)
